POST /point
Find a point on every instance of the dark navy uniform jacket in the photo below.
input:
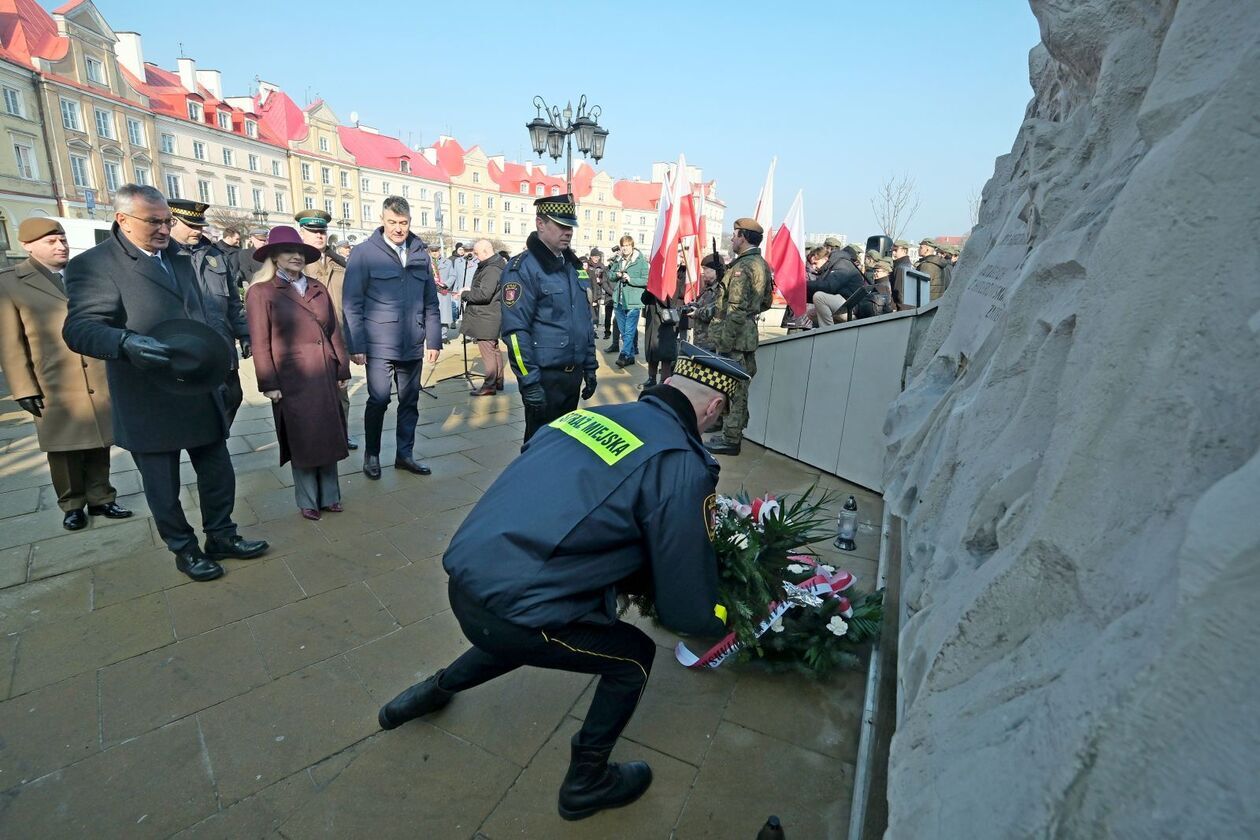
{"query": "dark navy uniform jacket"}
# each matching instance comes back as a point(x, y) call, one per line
point(546, 316)
point(391, 311)
point(618, 497)
point(220, 292)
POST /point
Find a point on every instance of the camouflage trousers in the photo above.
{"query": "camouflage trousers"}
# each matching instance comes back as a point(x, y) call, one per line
point(736, 419)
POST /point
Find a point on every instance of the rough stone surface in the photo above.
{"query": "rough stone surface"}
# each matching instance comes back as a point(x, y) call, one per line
point(1075, 453)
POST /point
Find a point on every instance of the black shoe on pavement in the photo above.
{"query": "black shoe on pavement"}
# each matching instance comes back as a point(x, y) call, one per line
point(593, 783)
point(410, 465)
point(351, 444)
point(74, 520)
point(109, 510)
point(719, 445)
point(611, 348)
point(420, 699)
point(235, 547)
point(372, 467)
point(648, 383)
point(197, 566)
point(623, 361)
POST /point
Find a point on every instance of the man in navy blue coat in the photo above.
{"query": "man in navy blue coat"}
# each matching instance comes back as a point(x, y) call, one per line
point(393, 325)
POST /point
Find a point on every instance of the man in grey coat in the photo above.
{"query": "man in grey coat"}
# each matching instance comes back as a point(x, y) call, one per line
point(118, 292)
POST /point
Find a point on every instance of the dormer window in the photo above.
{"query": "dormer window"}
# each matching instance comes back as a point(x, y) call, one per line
point(524, 188)
point(195, 112)
point(555, 191)
point(251, 128)
point(225, 121)
point(539, 191)
point(404, 166)
point(323, 144)
point(95, 70)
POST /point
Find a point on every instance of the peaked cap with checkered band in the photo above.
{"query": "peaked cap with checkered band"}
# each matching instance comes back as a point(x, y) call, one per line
point(717, 372)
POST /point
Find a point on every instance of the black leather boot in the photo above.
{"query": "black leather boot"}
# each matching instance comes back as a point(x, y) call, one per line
point(415, 702)
point(593, 783)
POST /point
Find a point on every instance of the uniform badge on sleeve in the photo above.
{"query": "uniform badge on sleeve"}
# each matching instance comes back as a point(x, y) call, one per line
point(214, 263)
point(511, 293)
point(710, 515)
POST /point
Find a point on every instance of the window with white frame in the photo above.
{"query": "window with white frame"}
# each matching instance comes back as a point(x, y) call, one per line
point(323, 144)
point(601, 196)
point(640, 237)
point(13, 102)
point(424, 193)
point(328, 206)
point(612, 217)
point(345, 180)
point(489, 225)
point(460, 199)
point(489, 202)
point(229, 157)
point(365, 185)
point(70, 118)
point(253, 163)
point(404, 165)
point(205, 191)
point(345, 209)
point(225, 120)
point(406, 191)
point(308, 203)
point(251, 128)
point(113, 176)
point(275, 168)
point(104, 124)
point(385, 188)
point(507, 206)
point(95, 70)
point(463, 223)
point(524, 188)
point(599, 236)
point(140, 174)
point(476, 177)
point(325, 175)
point(257, 195)
point(586, 215)
point(196, 112)
point(599, 217)
point(555, 191)
point(367, 211)
point(79, 171)
point(507, 227)
point(234, 195)
point(25, 155)
point(477, 201)
point(168, 143)
point(476, 224)
point(135, 132)
point(643, 220)
point(306, 173)
point(279, 201)
point(539, 191)
point(424, 218)
point(174, 189)
point(199, 150)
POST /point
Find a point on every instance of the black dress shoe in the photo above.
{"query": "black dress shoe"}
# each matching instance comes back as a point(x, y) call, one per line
point(719, 445)
point(372, 467)
point(197, 566)
point(410, 465)
point(75, 520)
point(611, 348)
point(109, 510)
point(351, 444)
point(420, 699)
point(235, 547)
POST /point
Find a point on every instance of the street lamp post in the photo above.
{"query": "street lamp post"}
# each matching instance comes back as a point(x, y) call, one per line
point(554, 133)
point(260, 216)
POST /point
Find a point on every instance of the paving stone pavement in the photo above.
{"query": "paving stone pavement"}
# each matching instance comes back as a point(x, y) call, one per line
point(134, 703)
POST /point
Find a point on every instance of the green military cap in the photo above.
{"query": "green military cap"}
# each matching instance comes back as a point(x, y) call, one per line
point(886, 262)
point(931, 243)
point(559, 208)
point(832, 242)
point(854, 249)
point(719, 373)
point(749, 225)
point(191, 213)
point(872, 256)
point(37, 227)
point(901, 243)
point(313, 220)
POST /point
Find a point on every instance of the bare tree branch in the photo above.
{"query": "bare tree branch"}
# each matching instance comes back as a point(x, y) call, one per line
point(973, 206)
point(895, 204)
point(225, 217)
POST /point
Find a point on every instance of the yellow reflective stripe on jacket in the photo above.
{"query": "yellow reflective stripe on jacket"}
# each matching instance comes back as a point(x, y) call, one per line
point(720, 612)
point(609, 440)
point(516, 354)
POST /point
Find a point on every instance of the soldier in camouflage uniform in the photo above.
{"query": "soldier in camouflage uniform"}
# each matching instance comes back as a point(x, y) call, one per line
point(745, 294)
point(704, 307)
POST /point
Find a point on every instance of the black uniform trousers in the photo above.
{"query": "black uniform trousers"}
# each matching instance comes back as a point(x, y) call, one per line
point(380, 372)
point(216, 489)
point(562, 388)
point(621, 654)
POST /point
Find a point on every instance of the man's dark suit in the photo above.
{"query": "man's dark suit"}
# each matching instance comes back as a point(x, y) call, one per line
point(114, 290)
point(391, 314)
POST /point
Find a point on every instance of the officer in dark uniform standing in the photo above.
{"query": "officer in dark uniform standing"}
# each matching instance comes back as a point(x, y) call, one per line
point(547, 318)
point(632, 512)
point(220, 279)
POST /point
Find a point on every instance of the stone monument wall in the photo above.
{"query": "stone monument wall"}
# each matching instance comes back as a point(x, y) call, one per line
point(1075, 454)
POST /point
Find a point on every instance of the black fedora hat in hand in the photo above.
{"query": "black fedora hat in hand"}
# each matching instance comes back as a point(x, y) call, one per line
point(200, 357)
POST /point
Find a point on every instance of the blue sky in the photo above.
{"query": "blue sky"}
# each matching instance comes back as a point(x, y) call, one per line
point(844, 93)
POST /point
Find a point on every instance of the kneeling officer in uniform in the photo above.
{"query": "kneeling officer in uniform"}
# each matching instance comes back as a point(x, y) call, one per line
point(539, 586)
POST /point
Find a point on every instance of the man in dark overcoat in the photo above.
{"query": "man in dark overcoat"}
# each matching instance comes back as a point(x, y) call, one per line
point(483, 317)
point(393, 325)
point(66, 393)
point(119, 291)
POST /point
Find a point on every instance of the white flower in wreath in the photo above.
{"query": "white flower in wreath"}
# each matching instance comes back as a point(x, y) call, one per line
point(831, 570)
point(740, 541)
point(777, 627)
point(725, 502)
point(743, 510)
point(838, 625)
point(768, 507)
point(797, 568)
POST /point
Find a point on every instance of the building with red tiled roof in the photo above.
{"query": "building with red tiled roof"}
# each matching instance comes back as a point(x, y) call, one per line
point(387, 167)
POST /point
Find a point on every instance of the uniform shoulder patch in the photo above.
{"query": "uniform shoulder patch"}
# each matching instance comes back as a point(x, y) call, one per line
point(511, 293)
point(710, 515)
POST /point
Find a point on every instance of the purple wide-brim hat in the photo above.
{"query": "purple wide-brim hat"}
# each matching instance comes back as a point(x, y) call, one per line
point(283, 238)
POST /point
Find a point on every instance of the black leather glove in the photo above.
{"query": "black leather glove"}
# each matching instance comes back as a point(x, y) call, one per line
point(32, 405)
point(247, 349)
point(146, 353)
point(588, 379)
point(533, 395)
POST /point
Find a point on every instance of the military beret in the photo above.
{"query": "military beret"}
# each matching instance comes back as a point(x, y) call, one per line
point(314, 220)
point(719, 373)
point(832, 242)
point(37, 227)
point(191, 213)
point(749, 225)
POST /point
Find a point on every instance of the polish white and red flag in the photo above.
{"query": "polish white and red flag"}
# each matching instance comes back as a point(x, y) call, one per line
point(764, 213)
point(787, 257)
point(675, 218)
